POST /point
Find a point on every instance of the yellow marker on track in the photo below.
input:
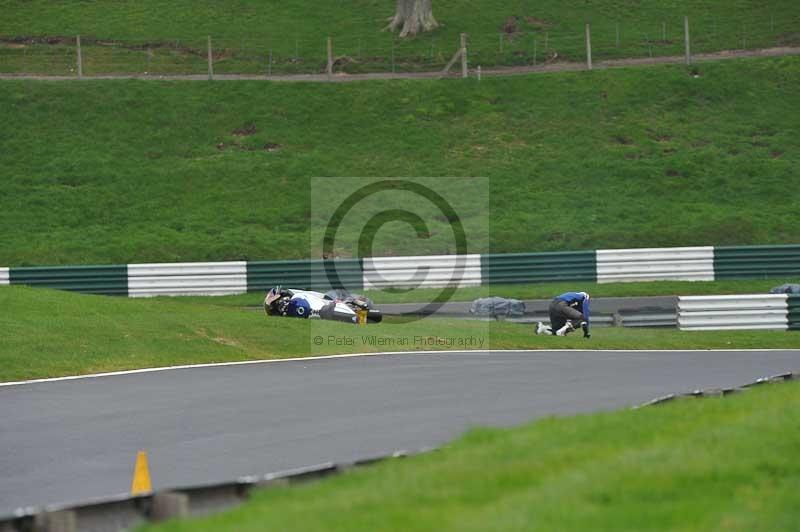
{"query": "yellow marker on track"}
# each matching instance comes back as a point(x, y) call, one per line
point(141, 475)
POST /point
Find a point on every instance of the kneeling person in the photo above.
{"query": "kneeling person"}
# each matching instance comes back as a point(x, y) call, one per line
point(567, 312)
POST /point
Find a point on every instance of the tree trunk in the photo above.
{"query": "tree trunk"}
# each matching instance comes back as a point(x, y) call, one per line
point(412, 17)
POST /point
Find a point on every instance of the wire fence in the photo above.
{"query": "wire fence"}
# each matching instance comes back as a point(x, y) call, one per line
point(384, 52)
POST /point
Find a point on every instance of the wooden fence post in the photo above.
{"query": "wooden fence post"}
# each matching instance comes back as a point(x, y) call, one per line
point(329, 68)
point(588, 47)
point(464, 72)
point(80, 57)
point(210, 60)
point(687, 40)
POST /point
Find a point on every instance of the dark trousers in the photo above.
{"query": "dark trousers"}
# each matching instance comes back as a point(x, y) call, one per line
point(560, 313)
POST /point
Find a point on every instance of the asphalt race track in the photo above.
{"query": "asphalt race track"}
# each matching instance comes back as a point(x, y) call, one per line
point(67, 441)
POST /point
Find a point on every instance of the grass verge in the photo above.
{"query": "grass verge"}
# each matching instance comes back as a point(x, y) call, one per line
point(540, 291)
point(712, 464)
point(47, 333)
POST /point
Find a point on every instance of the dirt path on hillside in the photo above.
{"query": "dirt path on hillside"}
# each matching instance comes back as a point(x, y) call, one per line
point(557, 66)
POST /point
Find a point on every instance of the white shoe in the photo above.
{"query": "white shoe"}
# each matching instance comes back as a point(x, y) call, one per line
point(563, 331)
point(541, 328)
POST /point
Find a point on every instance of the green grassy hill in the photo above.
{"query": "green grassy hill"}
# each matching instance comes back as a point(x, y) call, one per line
point(292, 18)
point(116, 172)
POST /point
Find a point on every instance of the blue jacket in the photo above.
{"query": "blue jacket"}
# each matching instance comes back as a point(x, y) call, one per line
point(577, 300)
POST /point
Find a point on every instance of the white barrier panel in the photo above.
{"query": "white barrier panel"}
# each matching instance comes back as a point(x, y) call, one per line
point(756, 311)
point(655, 264)
point(431, 271)
point(4, 276)
point(734, 302)
point(187, 279)
point(750, 327)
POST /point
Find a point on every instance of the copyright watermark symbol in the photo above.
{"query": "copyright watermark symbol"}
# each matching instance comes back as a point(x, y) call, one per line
point(369, 232)
point(408, 244)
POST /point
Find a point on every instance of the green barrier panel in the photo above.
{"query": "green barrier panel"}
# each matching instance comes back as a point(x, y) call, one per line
point(108, 280)
point(539, 267)
point(307, 274)
point(756, 262)
point(793, 304)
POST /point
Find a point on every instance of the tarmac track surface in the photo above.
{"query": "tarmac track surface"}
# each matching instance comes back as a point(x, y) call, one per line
point(70, 440)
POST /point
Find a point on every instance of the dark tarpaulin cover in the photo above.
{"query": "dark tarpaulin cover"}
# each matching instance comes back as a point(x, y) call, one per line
point(497, 306)
point(786, 289)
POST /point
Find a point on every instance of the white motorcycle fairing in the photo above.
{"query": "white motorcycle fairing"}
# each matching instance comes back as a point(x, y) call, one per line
point(322, 307)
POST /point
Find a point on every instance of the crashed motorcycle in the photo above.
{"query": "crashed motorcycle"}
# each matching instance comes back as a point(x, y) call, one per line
point(336, 305)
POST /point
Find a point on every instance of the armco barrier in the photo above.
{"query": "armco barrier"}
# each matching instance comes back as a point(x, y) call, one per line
point(648, 319)
point(757, 311)
point(793, 315)
point(111, 280)
point(756, 262)
point(187, 279)
point(605, 265)
point(538, 267)
point(424, 271)
point(309, 274)
point(655, 264)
